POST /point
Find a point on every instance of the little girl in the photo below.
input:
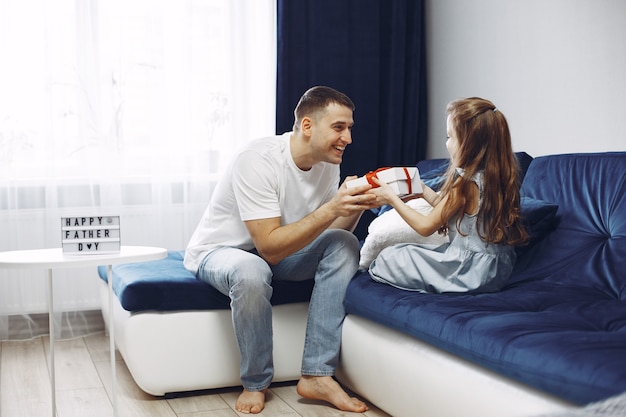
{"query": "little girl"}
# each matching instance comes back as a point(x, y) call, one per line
point(478, 207)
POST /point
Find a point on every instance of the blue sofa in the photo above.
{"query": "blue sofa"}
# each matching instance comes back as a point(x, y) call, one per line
point(553, 339)
point(556, 331)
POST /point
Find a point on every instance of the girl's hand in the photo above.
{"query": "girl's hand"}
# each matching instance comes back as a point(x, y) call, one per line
point(384, 193)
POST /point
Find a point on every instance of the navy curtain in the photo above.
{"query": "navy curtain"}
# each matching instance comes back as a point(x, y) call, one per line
point(372, 50)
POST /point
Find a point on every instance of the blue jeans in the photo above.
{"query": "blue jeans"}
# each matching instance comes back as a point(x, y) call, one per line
point(331, 259)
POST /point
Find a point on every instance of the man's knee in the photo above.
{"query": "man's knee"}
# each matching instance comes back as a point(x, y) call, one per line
point(231, 270)
point(342, 240)
point(251, 273)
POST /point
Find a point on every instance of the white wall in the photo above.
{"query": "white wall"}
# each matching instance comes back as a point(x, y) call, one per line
point(556, 69)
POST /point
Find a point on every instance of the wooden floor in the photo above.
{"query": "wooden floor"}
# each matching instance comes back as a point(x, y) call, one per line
point(83, 381)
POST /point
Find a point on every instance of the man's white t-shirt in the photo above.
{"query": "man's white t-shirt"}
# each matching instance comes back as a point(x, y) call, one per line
point(261, 182)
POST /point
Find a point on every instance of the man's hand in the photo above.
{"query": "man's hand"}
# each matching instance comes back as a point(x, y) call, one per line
point(350, 201)
point(274, 242)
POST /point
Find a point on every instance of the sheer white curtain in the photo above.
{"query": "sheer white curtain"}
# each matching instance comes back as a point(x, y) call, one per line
point(120, 107)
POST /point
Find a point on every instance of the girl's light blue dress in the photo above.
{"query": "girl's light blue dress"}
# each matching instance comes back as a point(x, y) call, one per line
point(466, 263)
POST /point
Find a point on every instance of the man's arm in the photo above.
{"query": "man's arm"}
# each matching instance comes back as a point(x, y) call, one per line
point(349, 222)
point(275, 242)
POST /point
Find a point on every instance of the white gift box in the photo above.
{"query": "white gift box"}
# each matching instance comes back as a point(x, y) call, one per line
point(403, 180)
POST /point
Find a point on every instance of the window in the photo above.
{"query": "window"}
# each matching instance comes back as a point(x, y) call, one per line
point(124, 107)
point(117, 88)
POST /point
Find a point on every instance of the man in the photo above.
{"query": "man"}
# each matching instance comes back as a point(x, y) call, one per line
point(278, 213)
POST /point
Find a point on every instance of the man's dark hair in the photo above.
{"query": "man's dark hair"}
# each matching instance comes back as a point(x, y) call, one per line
point(316, 99)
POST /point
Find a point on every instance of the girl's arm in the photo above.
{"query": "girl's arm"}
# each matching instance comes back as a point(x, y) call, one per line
point(430, 195)
point(424, 225)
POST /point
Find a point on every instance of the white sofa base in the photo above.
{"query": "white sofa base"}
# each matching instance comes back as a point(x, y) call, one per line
point(194, 350)
point(406, 377)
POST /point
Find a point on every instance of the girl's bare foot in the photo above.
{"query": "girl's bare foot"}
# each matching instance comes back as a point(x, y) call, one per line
point(325, 388)
point(251, 402)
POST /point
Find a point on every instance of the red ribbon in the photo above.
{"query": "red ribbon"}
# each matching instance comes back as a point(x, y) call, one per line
point(408, 180)
point(373, 174)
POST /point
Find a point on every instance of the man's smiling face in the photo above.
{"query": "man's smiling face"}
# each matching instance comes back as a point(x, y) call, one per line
point(331, 133)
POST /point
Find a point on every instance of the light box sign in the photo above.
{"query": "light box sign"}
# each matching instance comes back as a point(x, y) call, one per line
point(90, 234)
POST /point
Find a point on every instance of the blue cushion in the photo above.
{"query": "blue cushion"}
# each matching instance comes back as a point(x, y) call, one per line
point(559, 324)
point(165, 285)
point(590, 239)
point(432, 172)
point(539, 218)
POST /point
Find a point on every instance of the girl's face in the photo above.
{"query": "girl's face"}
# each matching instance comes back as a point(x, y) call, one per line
point(452, 143)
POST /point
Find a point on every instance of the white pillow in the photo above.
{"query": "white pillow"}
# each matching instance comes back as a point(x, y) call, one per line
point(390, 229)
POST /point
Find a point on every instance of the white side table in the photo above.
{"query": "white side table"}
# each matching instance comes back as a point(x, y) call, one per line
point(54, 258)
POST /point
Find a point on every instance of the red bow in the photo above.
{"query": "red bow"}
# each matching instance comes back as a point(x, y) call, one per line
point(372, 174)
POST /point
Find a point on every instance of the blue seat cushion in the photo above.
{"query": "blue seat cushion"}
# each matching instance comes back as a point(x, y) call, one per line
point(165, 285)
point(559, 324)
point(567, 340)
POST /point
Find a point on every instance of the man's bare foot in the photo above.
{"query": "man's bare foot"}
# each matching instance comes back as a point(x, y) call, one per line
point(325, 388)
point(251, 402)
